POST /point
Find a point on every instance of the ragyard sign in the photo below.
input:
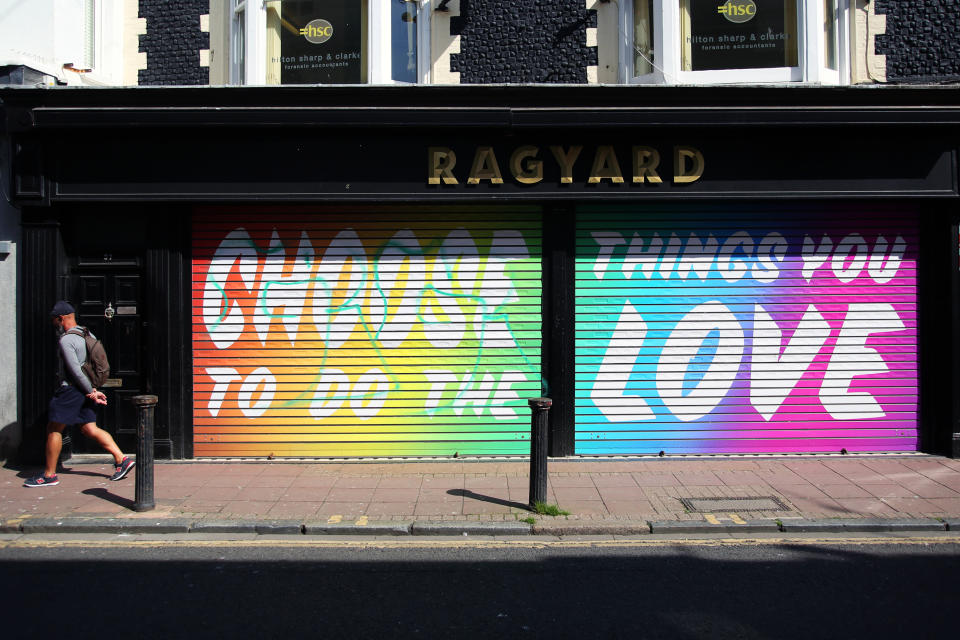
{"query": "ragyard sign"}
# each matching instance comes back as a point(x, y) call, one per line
point(566, 164)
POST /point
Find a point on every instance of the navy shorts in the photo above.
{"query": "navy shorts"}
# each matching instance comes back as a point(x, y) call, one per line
point(70, 406)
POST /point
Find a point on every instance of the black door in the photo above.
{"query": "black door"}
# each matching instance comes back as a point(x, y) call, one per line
point(108, 295)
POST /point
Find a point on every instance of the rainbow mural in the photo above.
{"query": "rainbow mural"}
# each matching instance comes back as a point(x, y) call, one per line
point(365, 333)
point(728, 331)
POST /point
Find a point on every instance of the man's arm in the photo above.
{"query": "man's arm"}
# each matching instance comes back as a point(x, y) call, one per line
point(73, 351)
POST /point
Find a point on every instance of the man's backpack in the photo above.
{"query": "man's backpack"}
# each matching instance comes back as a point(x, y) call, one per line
point(96, 367)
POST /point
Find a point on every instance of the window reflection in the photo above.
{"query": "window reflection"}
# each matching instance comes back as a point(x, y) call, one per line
point(738, 34)
point(316, 42)
point(830, 33)
point(403, 38)
point(643, 54)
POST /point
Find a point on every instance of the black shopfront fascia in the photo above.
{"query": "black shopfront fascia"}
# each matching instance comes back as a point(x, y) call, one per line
point(147, 156)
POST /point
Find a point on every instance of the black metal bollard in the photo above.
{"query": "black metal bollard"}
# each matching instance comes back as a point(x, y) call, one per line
point(538, 449)
point(143, 492)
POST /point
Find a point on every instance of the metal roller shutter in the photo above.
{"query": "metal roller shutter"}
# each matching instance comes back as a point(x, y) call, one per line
point(365, 332)
point(726, 330)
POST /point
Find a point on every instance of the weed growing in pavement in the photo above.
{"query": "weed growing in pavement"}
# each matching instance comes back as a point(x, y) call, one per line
point(529, 520)
point(545, 509)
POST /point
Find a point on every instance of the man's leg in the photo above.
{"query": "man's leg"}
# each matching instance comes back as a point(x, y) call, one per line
point(54, 444)
point(104, 439)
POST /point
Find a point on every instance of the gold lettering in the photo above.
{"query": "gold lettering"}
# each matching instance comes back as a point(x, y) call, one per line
point(526, 165)
point(681, 175)
point(485, 167)
point(566, 159)
point(605, 166)
point(534, 168)
point(645, 163)
point(442, 161)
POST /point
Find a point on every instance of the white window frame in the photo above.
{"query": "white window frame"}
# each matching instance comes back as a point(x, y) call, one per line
point(239, 15)
point(815, 69)
point(378, 38)
point(667, 35)
point(105, 41)
point(379, 69)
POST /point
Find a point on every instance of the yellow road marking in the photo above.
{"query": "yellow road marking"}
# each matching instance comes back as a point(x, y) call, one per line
point(334, 519)
point(361, 521)
point(712, 519)
point(737, 519)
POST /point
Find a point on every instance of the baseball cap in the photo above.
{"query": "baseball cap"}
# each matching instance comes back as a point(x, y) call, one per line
point(62, 308)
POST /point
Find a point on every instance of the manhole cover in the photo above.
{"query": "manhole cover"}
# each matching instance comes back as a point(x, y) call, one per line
point(756, 503)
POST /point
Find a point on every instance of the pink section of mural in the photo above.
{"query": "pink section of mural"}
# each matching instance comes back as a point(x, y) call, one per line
point(746, 338)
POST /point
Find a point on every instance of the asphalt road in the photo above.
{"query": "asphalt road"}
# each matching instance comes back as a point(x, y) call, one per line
point(482, 589)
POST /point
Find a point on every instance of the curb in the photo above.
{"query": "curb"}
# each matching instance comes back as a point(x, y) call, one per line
point(545, 528)
point(105, 525)
point(279, 527)
point(863, 525)
point(223, 526)
point(13, 525)
point(700, 526)
point(470, 529)
point(30, 525)
point(350, 529)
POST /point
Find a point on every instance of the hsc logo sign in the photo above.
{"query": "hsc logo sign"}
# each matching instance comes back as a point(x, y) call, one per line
point(738, 11)
point(317, 31)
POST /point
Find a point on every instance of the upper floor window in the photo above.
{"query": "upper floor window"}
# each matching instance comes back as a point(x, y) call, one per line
point(735, 41)
point(77, 42)
point(329, 41)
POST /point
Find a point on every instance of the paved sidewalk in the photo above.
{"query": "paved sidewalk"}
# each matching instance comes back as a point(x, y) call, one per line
point(615, 494)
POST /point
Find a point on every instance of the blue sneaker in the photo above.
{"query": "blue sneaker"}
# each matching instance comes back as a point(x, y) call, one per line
point(123, 468)
point(42, 481)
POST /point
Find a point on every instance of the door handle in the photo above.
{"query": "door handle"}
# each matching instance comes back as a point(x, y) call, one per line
point(109, 312)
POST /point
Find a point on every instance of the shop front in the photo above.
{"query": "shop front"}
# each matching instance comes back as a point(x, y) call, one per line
point(747, 329)
point(394, 272)
point(365, 331)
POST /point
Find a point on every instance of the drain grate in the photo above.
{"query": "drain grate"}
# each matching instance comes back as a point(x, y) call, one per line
point(754, 503)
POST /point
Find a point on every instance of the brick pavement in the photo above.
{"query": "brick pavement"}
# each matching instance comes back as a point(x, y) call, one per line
point(496, 491)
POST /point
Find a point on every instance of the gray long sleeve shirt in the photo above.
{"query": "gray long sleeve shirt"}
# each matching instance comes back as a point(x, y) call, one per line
point(73, 353)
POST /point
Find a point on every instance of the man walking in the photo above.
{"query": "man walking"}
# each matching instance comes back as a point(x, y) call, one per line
point(74, 400)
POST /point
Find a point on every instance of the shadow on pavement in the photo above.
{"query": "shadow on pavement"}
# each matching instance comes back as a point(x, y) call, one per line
point(73, 472)
point(103, 494)
point(466, 493)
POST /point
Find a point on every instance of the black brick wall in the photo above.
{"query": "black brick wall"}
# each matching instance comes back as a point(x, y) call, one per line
point(173, 42)
point(529, 41)
point(921, 42)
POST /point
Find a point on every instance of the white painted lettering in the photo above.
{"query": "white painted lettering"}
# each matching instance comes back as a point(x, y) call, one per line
point(862, 321)
point(369, 394)
point(883, 267)
point(330, 393)
point(224, 319)
point(770, 253)
point(773, 374)
point(846, 266)
point(814, 255)
point(613, 402)
point(642, 259)
point(608, 241)
point(680, 352)
point(222, 377)
point(259, 377)
point(732, 266)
